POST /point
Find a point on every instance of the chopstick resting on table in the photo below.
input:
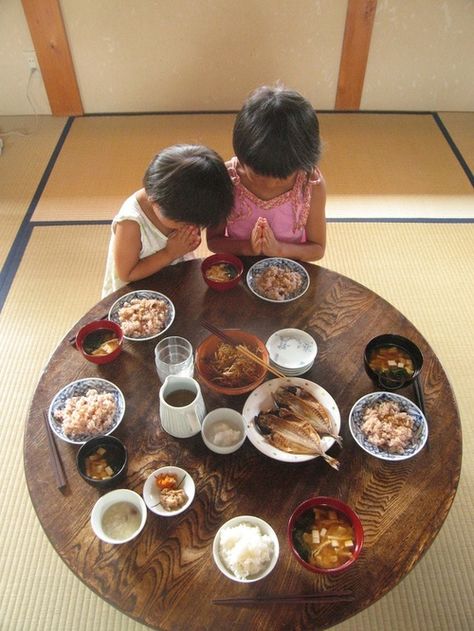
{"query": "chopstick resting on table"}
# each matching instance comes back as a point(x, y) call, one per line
point(290, 599)
point(241, 348)
point(54, 453)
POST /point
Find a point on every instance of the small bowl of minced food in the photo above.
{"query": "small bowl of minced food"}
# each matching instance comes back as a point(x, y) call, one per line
point(246, 549)
point(223, 430)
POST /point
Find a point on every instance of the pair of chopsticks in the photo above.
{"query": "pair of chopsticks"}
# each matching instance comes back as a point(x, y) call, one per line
point(240, 347)
point(54, 453)
point(291, 599)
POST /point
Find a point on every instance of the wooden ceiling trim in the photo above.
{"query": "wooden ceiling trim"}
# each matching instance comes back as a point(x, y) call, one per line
point(47, 30)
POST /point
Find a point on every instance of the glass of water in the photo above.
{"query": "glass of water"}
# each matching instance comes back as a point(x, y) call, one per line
point(174, 356)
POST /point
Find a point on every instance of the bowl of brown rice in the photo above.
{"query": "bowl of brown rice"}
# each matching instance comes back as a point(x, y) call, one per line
point(143, 314)
point(388, 426)
point(86, 408)
point(278, 279)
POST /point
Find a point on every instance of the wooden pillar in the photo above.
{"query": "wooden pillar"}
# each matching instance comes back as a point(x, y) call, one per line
point(46, 26)
point(355, 51)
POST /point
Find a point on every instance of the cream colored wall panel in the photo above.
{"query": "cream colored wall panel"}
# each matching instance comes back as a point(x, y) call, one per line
point(14, 72)
point(207, 55)
point(421, 56)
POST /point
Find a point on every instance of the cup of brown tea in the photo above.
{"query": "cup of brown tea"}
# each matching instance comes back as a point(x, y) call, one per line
point(182, 408)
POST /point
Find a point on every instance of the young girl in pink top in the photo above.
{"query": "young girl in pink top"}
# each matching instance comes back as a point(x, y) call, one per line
point(279, 192)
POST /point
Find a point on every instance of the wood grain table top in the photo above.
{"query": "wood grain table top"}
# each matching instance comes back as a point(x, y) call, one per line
point(166, 577)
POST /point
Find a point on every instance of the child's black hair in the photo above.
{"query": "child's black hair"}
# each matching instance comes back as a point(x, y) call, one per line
point(190, 183)
point(277, 133)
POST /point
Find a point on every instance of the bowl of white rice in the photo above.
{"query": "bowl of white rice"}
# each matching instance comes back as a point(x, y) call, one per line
point(246, 549)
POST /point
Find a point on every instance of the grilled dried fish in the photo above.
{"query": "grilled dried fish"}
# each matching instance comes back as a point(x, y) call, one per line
point(293, 436)
point(305, 407)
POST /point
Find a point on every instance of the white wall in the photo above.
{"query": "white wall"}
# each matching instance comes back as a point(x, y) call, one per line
point(189, 55)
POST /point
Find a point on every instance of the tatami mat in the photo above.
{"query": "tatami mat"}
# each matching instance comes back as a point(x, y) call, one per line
point(25, 156)
point(432, 285)
point(104, 158)
point(460, 126)
point(376, 165)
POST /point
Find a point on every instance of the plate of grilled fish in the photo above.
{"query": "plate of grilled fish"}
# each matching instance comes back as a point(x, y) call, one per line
point(293, 420)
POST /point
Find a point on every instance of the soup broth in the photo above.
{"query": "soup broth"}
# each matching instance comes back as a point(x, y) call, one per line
point(100, 342)
point(180, 398)
point(221, 272)
point(392, 362)
point(121, 520)
point(324, 537)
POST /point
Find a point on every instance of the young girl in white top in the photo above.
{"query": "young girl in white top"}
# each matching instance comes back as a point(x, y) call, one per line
point(185, 188)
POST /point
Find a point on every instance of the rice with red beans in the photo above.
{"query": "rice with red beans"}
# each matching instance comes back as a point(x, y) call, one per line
point(386, 426)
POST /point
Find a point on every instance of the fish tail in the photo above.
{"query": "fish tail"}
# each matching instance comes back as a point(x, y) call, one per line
point(332, 462)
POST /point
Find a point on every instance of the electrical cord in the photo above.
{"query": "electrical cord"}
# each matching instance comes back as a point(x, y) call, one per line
point(18, 132)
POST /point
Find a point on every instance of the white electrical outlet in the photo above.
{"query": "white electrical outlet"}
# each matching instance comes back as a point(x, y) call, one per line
point(31, 59)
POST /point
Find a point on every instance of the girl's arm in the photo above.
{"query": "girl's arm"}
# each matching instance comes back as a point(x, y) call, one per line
point(315, 245)
point(218, 242)
point(127, 248)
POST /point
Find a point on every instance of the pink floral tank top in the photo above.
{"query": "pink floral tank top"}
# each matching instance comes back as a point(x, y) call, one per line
point(286, 214)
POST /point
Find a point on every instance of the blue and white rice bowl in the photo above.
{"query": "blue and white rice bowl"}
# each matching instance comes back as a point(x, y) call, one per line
point(420, 429)
point(292, 351)
point(283, 264)
point(142, 294)
point(77, 389)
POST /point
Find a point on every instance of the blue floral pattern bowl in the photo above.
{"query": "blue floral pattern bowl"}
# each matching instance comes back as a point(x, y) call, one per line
point(420, 430)
point(282, 265)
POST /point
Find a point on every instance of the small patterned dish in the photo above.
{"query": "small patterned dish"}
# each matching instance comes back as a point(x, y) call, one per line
point(77, 389)
point(143, 295)
point(420, 431)
point(151, 492)
point(292, 351)
point(281, 265)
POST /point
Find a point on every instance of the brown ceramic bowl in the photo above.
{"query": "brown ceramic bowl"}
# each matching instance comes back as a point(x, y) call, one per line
point(91, 329)
point(306, 508)
point(229, 261)
point(205, 352)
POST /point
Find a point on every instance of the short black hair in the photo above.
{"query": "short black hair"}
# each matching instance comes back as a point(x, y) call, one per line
point(277, 133)
point(190, 183)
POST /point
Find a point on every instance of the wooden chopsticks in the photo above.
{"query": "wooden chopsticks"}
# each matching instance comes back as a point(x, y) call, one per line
point(242, 349)
point(54, 453)
point(291, 599)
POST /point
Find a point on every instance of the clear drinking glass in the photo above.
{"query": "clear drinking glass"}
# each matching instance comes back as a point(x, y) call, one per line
point(174, 356)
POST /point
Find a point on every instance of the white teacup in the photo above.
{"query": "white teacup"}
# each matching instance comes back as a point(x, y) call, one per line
point(182, 407)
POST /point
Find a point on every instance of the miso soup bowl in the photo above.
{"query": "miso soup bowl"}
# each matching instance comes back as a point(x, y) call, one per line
point(338, 506)
point(97, 325)
point(390, 339)
point(223, 257)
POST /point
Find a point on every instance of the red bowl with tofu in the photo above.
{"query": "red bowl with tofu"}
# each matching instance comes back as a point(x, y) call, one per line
point(325, 535)
point(100, 341)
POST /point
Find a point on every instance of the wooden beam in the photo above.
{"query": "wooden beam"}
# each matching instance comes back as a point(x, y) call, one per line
point(355, 51)
point(47, 30)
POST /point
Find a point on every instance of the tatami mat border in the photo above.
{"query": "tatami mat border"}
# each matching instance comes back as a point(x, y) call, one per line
point(20, 243)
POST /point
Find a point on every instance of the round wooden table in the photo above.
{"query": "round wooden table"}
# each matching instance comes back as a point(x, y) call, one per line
point(166, 578)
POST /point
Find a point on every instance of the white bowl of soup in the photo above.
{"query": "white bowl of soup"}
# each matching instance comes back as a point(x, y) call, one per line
point(118, 516)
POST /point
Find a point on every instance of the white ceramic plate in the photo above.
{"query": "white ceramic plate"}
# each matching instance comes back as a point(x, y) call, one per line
point(261, 399)
point(283, 265)
point(140, 295)
point(80, 388)
point(420, 425)
point(265, 529)
point(151, 493)
point(292, 350)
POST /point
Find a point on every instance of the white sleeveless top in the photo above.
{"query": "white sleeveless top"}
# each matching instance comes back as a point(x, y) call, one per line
point(152, 240)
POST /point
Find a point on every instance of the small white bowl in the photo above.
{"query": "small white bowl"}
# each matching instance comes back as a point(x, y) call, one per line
point(151, 493)
point(109, 499)
point(232, 419)
point(265, 529)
